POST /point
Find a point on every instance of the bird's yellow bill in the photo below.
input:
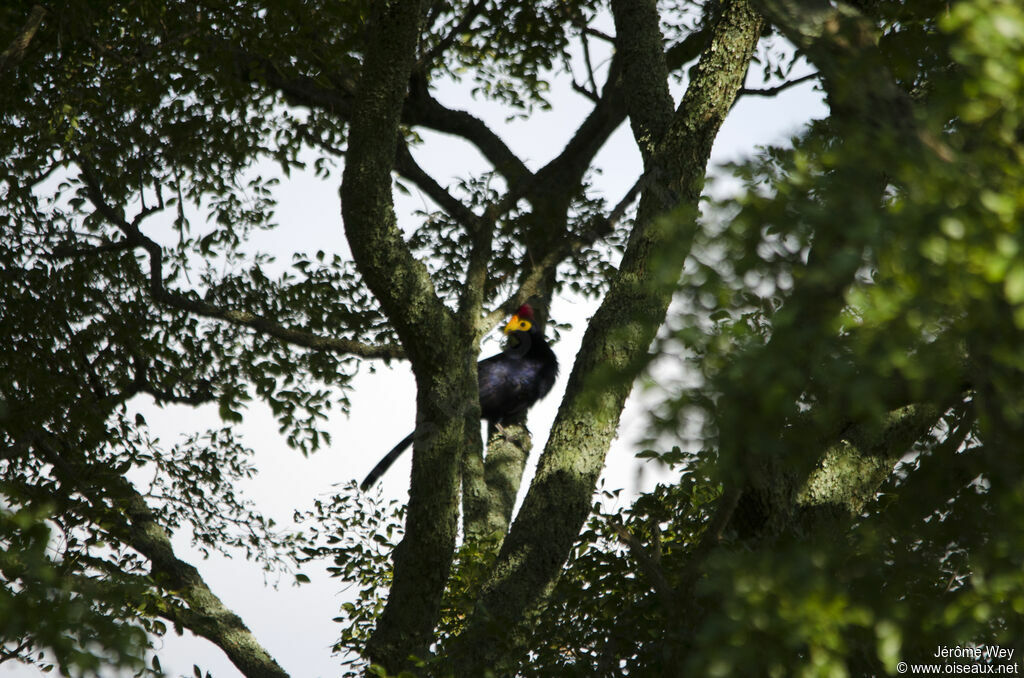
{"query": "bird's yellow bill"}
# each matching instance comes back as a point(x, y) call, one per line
point(517, 324)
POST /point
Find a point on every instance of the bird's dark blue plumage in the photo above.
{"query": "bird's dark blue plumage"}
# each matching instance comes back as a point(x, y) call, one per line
point(509, 383)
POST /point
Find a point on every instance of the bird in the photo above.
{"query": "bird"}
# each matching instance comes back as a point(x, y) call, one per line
point(509, 382)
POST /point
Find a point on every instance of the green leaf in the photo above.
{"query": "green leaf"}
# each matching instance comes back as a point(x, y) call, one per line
point(1013, 285)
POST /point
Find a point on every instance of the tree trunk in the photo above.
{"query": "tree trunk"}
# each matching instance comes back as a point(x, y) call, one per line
point(616, 343)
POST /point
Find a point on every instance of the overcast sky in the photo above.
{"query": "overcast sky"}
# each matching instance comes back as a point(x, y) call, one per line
point(294, 624)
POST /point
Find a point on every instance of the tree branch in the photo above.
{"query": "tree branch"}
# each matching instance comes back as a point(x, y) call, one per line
point(15, 52)
point(589, 30)
point(537, 272)
point(464, 23)
point(772, 91)
point(618, 337)
point(408, 168)
point(17, 653)
point(202, 393)
point(710, 538)
point(136, 239)
point(610, 110)
point(588, 93)
point(299, 90)
point(447, 406)
point(638, 37)
point(690, 47)
point(829, 492)
point(422, 109)
point(569, 167)
point(586, 60)
point(136, 524)
point(649, 564)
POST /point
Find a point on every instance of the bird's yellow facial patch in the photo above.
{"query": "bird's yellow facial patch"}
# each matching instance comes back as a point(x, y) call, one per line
point(517, 324)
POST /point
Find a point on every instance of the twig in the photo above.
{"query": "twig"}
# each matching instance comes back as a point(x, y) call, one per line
point(712, 535)
point(772, 91)
point(586, 60)
point(590, 94)
point(408, 168)
point(464, 23)
point(593, 32)
point(651, 566)
point(131, 521)
point(16, 653)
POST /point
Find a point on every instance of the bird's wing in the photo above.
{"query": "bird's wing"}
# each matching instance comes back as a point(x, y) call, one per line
point(508, 385)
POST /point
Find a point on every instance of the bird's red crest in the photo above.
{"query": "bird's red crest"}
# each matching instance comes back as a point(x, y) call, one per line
point(525, 312)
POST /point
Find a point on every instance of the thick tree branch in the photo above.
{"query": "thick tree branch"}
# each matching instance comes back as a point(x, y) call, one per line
point(941, 472)
point(409, 169)
point(537, 272)
point(617, 338)
point(137, 525)
point(689, 48)
point(638, 37)
point(422, 109)
point(507, 453)
point(549, 245)
point(482, 243)
point(850, 472)
point(15, 52)
point(568, 168)
point(447, 405)
point(397, 278)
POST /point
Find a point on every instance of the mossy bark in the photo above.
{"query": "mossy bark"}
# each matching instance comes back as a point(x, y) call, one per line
point(501, 474)
point(447, 408)
point(616, 343)
point(801, 499)
point(131, 520)
point(850, 471)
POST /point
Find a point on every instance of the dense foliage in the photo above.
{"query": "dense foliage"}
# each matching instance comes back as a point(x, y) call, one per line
point(862, 297)
point(843, 430)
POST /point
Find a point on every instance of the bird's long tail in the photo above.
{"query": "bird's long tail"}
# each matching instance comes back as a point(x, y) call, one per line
point(384, 464)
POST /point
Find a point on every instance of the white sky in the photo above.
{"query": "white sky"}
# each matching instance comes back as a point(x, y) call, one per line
point(294, 624)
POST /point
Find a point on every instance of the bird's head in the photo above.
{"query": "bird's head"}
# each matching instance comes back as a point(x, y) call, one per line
point(522, 321)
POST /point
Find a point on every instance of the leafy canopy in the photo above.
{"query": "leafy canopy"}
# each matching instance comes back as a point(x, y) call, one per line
point(856, 308)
